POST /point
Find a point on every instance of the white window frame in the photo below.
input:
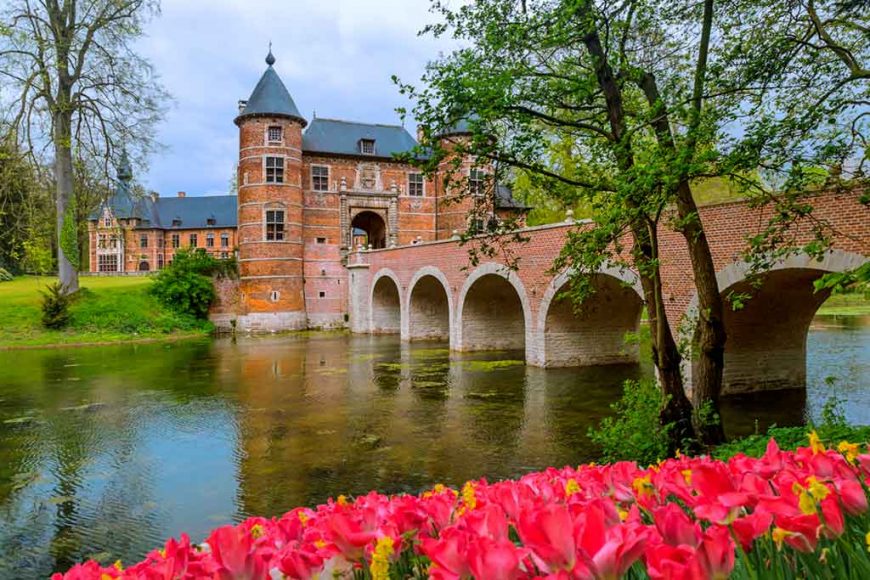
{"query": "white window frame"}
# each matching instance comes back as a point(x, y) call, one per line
point(477, 176)
point(362, 146)
point(225, 240)
point(280, 138)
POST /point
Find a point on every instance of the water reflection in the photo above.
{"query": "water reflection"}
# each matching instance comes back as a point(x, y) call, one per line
point(104, 452)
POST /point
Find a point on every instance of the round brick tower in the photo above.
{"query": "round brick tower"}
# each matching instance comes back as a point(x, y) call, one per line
point(270, 207)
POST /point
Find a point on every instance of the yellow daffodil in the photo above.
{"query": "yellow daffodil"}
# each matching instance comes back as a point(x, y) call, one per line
point(380, 566)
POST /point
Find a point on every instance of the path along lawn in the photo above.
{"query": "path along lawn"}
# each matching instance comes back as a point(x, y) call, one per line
point(110, 309)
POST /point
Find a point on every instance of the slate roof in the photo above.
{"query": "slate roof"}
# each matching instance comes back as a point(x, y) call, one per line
point(270, 97)
point(343, 137)
point(461, 127)
point(193, 212)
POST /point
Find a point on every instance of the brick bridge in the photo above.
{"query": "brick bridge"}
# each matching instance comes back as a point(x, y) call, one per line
point(429, 291)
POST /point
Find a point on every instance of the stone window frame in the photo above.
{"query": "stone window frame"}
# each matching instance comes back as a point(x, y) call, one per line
point(176, 241)
point(275, 207)
point(269, 135)
point(225, 240)
point(143, 240)
point(328, 169)
point(193, 240)
point(278, 178)
point(209, 240)
point(411, 183)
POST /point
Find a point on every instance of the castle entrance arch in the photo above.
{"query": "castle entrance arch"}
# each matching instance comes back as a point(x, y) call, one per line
point(368, 228)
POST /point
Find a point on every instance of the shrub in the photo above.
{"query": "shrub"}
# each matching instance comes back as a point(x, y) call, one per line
point(634, 433)
point(186, 284)
point(55, 306)
point(5, 275)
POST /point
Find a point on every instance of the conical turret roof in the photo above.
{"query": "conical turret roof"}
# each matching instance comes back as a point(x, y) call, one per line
point(270, 97)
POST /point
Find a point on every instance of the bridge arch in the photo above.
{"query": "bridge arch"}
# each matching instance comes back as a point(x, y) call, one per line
point(429, 307)
point(493, 311)
point(594, 333)
point(385, 316)
point(767, 337)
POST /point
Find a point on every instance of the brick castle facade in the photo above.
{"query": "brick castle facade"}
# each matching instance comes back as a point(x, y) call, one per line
point(308, 195)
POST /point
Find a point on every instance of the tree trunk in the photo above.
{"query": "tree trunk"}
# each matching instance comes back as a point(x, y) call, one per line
point(710, 330)
point(710, 336)
point(677, 410)
point(65, 195)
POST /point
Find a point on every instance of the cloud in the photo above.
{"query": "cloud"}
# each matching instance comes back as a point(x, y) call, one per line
point(335, 56)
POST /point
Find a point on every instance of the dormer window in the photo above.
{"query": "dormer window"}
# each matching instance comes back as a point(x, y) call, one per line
point(176, 222)
point(274, 134)
point(107, 221)
point(367, 146)
point(210, 221)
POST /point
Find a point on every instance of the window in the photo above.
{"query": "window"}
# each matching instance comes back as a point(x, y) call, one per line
point(192, 239)
point(159, 261)
point(225, 240)
point(209, 240)
point(274, 170)
point(107, 263)
point(322, 294)
point(274, 134)
point(476, 180)
point(321, 240)
point(176, 240)
point(160, 241)
point(274, 296)
point(101, 241)
point(415, 184)
point(143, 241)
point(225, 255)
point(176, 222)
point(107, 221)
point(367, 146)
point(475, 226)
point(319, 178)
point(275, 224)
point(210, 221)
point(113, 242)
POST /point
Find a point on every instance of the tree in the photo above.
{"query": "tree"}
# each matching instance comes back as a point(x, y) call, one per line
point(643, 99)
point(80, 89)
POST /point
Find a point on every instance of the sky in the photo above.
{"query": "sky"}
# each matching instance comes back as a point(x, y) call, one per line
point(336, 57)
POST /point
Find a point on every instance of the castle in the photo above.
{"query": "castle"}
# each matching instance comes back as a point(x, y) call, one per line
point(308, 195)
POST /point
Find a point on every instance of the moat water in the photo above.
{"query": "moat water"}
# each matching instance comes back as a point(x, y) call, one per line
point(105, 452)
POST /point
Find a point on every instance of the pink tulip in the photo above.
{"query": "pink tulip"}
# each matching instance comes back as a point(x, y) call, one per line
point(716, 553)
point(546, 531)
point(494, 559)
point(676, 527)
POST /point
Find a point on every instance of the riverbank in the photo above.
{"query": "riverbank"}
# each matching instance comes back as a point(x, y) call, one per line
point(109, 310)
point(846, 304)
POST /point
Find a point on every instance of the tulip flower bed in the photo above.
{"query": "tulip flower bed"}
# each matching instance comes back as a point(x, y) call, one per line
point(785, 515)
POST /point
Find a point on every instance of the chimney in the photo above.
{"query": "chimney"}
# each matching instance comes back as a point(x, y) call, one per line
point(155, 196)
point(242, 105)
point(181, 194)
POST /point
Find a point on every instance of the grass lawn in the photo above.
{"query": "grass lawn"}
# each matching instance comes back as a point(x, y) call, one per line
point(109, 310)
point(846, 304)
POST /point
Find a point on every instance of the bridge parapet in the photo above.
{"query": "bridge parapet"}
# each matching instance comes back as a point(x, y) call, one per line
point(436, 285)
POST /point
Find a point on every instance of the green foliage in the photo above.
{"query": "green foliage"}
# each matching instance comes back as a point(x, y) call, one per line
point(635, 432)
point(56, 302)
point(5, 276)
point(832, 429)
point(186, 284)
